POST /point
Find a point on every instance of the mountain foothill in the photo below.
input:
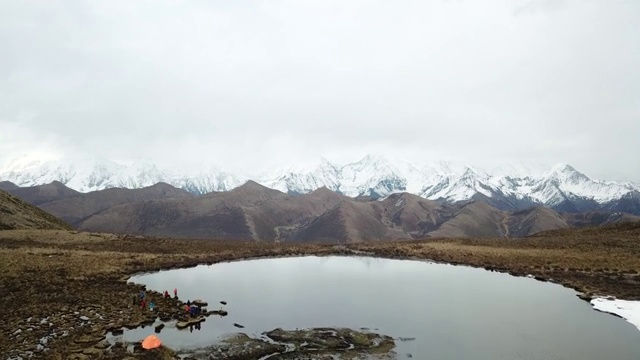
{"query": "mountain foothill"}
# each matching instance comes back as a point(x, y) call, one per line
point(258, 213)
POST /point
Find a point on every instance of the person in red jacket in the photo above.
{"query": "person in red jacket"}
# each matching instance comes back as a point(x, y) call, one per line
point(175, 292)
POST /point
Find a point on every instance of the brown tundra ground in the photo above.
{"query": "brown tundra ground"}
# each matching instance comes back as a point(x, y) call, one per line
point(53, 281)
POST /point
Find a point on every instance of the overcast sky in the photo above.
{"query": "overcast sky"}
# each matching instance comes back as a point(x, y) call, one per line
point(253, 84)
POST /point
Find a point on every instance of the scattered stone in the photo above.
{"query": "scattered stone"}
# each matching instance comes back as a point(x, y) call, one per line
point(200, 303)
point(84, 318)
point(93, 352)
point(189, 322)
point(403, 339)
point(102, 345)
point(133, 325)
point(316, 344)
point(159, 328)
point(585, 297)
point(89, 339)
point(219, 312)
point(79, 357)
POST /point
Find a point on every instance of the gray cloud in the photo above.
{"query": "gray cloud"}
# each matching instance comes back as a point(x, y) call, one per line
point(252, 84)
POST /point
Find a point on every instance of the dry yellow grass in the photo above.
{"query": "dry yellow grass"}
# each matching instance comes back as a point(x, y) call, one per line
point(53, 274)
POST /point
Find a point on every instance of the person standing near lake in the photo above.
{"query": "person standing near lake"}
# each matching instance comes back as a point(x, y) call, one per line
point(175, 292)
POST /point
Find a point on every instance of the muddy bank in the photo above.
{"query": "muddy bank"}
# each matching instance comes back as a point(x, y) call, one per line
point(63, 291)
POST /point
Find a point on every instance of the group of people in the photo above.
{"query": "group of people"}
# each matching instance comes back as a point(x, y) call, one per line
point(175, 294)
point(142, 301)
point(193, 309)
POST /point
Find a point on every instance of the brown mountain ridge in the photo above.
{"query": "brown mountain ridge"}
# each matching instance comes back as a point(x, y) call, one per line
point(16, 214)
point(8, 185)
point(255, 212)
point(73, 207)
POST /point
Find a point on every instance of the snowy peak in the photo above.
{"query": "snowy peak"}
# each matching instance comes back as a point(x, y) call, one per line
point(81, 174)
point(508, 187)
point(372, 176)
point(574, 184)
point(302, 179)
point(456, 185)
point(91, 174)
point(565, 173)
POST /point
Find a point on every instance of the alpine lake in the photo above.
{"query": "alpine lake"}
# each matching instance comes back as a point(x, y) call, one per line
point(371, 308)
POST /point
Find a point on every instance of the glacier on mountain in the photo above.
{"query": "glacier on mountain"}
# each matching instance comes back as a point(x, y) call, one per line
point(373, 176)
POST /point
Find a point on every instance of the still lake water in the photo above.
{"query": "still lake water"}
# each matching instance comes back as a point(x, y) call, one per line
point(450, 312)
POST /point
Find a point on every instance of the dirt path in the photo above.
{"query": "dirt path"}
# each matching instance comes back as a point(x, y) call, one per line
point(505, 225)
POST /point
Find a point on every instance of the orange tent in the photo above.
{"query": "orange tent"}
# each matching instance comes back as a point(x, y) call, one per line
point(151, 342)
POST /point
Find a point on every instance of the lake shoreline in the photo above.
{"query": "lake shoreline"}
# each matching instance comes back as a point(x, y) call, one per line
point(73, 287)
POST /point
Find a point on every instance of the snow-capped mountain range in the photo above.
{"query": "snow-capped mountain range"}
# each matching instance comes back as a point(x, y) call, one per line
point(510, 187)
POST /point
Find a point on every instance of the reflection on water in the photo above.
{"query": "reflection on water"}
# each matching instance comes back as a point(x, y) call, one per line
point(441, 311)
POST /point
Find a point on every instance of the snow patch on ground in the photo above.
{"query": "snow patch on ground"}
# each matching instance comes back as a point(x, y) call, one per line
point(628, 310)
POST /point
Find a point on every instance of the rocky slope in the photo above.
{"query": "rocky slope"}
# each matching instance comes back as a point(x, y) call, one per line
point(16, 214)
